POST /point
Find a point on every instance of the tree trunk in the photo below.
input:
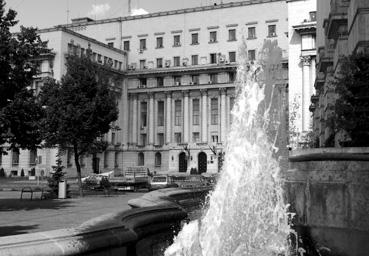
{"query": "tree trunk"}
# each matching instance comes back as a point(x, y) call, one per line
point(78, 166)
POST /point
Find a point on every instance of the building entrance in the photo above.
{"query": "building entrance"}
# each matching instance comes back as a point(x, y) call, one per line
point(202, 162)
point(182, 162)
point(96, 164)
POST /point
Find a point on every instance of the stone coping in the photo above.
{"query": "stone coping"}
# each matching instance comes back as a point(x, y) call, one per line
point(103, 233)
point(330, 154)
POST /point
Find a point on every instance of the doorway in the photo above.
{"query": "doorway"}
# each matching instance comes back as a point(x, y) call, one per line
point(182, 162)
point(202, 162)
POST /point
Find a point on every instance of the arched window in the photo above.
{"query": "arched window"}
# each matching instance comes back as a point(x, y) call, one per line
point(141, 159)
point(158, 159)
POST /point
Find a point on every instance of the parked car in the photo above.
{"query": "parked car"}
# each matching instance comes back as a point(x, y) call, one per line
point(93, 181)
point(162, 181)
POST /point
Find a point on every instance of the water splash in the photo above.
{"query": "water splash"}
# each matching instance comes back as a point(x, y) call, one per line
point(246, 213)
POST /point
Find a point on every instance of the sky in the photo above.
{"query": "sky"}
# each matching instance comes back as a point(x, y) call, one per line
point(48, 13)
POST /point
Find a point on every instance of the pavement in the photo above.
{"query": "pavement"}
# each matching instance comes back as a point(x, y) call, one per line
point(28, 216)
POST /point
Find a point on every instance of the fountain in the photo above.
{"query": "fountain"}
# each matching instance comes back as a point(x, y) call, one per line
point(246, 214)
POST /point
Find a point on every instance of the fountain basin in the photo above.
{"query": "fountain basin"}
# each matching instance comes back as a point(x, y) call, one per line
point(136, 232)
point(328, 189)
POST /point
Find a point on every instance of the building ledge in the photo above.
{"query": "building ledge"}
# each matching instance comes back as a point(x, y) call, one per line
point(304, 28)
point(333, 23)
point(183, 69)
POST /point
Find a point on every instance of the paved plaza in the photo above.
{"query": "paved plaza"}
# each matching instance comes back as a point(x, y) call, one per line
point(27, 216)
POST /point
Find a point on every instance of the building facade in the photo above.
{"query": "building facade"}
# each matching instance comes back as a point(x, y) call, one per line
point(177, 72)
point(301, 68)
point(179, 85)
point(62, 43)
point(342, 30)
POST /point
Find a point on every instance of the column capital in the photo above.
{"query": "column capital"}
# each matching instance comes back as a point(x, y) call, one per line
point(185, 93)
point(223, 91)
point(305, 60)
point(204, 92)
point(168, 94)
point(133, 95)
point(150, 94)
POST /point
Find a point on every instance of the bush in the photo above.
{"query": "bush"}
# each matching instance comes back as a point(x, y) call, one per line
point(56, 176)
point(2, 173)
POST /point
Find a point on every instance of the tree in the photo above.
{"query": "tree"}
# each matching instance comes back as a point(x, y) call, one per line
point(351, 109)
point(20, 113)
point(79, 110)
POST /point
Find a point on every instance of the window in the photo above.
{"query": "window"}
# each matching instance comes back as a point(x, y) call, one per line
point(105, 60)
point(142, 64)
point(160, 81)
point(99, 58)
point(214, 110)
point(142, 44)
point(213, 78)
point(232, 35)
point(126, 45)
point(214, 138)
point(116, 158)
point(213, 58)
point(159, 62)
point(115, 64)
point(232, 56)
point(157, 159)
point(176, 61)
point(213, 37)
point(141, 159)
point(1, 157)
point(159, 42)
point(143, 114)
point(177, 80)
point(231, 104)
point(111, 44)
point(251, 33)
point(177, 40)
point(272, 31)
point(160, 139)
point(32, 157)
point(160, 113)
point(178, 112)
point(251, 55)
point(120, 65)
point(143, 82)
point(195, 111)
point(194, 60)
point(195, 79)
point(106, 159)
point(178, 137)
point(113, 138)
point(195, 137)
point(143, 139)
point(232, 77)
point(69, 157)
point(195, 38)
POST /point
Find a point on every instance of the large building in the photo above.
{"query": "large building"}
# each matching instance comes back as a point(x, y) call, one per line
point(301, 68)
point(177, 92)
point(342, 29)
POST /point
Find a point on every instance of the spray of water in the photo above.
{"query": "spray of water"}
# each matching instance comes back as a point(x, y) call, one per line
point(246, 214)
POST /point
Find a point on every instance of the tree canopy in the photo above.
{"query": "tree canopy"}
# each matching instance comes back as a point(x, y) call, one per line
point(19, 111)
point(79, 109)
point(351, 107)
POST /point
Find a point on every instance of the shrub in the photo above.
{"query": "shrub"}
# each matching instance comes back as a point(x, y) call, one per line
point(56, 176)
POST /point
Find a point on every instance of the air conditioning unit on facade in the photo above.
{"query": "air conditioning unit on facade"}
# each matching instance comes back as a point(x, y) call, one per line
point(178, 83)
point(167, 63)
point(132, 66)
point(192, 83)
point(227, 62)
point(140, 51)
point(222, 59)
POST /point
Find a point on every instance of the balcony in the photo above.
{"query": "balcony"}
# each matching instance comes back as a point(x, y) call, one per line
point(325, 58)
point(337, 20)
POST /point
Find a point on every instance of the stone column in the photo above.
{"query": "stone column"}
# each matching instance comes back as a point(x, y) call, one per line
point(134, 119)
point(204, 116)
point(123, 107)
point(306, 62)
point(151, 119)
point(168, 125)
point(223, 119)
point(186, 120)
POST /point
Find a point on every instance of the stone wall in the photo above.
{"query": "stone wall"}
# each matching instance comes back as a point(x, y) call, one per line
point(328, 189)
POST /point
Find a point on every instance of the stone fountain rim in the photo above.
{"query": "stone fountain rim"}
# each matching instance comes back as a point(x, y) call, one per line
point(329, 154)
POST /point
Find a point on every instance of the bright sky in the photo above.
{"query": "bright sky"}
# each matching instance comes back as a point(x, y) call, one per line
point(48, 13)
